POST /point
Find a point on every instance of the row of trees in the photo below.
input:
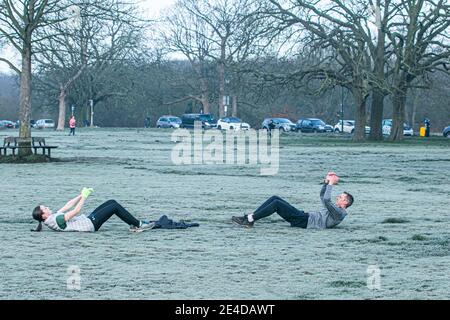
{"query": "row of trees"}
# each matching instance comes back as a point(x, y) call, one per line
point(377, 50)
point(373, 48)
point(154, 88)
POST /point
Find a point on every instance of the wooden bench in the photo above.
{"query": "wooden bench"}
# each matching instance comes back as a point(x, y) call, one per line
point(14, 140)
point(46, 150)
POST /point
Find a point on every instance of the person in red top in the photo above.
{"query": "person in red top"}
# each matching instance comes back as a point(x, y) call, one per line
point(72, 125)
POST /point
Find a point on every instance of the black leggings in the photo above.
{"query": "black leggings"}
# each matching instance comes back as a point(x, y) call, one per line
point(297, 218)
point(103, 212)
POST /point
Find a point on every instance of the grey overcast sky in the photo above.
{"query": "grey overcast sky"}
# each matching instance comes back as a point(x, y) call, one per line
point(151, 9)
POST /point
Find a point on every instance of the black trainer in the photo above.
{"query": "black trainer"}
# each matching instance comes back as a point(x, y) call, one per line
point(242, 221)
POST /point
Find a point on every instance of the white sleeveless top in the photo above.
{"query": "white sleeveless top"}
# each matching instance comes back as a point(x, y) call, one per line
point(79, 223)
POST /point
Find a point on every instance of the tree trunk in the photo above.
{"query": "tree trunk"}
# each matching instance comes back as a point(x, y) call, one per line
point(25, 100)
point(205, 104)
point(62, 109)
point(221, 89)
point(414, 109)
point(221, 67)
point(360, 125)
point(88, 113)
point(398, 113)
point(376, 115)
point(376, 112)
point(204, 95)
point(62, 97)
point(234, 108)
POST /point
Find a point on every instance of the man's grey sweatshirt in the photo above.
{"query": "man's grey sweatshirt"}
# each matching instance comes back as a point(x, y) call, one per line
point(330, 216)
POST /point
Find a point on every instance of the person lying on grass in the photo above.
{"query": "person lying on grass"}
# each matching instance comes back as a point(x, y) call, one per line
point(66, 219)
point(330, 216)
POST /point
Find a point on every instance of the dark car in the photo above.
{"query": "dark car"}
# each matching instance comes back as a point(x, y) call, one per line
point(278, 123)
point(446, 132)
point(312, 125)
point(207, 120)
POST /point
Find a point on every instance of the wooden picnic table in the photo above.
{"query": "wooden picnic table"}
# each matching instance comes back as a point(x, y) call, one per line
point(46, 150)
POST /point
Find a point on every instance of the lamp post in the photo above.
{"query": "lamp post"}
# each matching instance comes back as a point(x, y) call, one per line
point(342, 109)
point(226, 103)
point(226, 99)
point(91, 102)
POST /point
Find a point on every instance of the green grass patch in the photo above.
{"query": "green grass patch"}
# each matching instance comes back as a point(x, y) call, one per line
point(347, 284)
point(346, 140)
point(407, 179)
point(419, 237)
point(395, 220)
point(34, 158)
point(372, 240)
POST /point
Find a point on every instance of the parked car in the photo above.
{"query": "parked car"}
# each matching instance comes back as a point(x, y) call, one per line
point(313, 125)
point(207, 120)
point(2, 124)
point(278, 123)
point(232, 123)
point(45, 124)
point(32, 124)
point(8, 124)
point(168, 122)
point(387, 125)
point(349, 127)
point(446, 132)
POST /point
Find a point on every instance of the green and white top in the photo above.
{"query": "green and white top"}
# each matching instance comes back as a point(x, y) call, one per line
point(79, 223)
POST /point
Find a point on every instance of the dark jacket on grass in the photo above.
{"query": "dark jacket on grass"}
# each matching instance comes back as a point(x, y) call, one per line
point(165, 223)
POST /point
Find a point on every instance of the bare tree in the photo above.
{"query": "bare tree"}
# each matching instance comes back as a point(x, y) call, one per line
point(421, 44)
point(219, 32)
point(19, 21)
point(338, 38)
point(106, 31)
point(65, 57)
point(185, 34)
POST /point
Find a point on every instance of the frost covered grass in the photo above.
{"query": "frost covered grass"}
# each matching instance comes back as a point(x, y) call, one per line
point(399, 221)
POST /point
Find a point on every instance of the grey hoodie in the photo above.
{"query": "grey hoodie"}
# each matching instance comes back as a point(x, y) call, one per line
point(330, 216)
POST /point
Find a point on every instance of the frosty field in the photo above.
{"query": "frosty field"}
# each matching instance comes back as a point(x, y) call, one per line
point(218, 260)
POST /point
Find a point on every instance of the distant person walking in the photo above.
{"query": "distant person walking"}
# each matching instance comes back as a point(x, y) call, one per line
point(72, 125)
point(427, 127)
point(147, 122)
point(271, 127)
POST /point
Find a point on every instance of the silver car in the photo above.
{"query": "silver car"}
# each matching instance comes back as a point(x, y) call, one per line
point(168, 122)
point(278, 123)
point(45, 124)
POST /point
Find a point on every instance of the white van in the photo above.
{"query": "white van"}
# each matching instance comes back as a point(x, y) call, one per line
point(45, 124)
